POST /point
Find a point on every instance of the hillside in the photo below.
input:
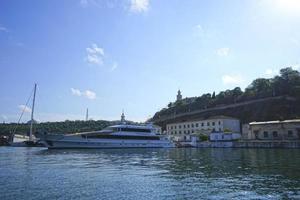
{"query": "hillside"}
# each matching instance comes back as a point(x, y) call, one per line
point(264, 99)
point(58, 127)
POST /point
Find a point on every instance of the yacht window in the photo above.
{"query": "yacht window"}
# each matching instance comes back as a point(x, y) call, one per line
point(136, 130)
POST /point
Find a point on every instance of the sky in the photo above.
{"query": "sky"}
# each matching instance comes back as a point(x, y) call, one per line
point(133, 55)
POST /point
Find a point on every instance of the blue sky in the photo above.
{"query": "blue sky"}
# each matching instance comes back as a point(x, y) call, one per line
point(135, 54)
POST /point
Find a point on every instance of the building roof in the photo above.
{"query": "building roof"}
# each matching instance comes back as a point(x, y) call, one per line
point(275, 122)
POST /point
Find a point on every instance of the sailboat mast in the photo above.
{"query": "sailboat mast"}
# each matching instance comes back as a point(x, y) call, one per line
point(87, 115)
point(32, 111)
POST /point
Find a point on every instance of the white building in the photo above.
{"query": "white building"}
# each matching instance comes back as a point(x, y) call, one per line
point(207, 126)
point(224, 136)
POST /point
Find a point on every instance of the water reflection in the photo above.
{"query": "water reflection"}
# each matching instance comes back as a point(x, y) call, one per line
point(160, 173)
point(211, 162)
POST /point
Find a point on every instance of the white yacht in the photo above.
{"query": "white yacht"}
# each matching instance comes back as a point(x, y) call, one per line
point(117, 136)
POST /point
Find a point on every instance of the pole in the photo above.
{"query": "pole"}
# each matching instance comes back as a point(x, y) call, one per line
point(87, 115)
point(32, 111)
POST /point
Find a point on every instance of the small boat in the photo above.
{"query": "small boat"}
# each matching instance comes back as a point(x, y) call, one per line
point(116, 136)
point(17, 140)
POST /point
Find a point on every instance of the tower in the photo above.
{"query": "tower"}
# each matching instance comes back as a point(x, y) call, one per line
point(179, 96)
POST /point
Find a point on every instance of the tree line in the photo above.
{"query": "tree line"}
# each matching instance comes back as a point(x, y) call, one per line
point(286, 83)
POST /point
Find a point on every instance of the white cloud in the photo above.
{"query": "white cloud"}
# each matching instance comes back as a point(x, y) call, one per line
point(95, 50)
point(115, 66)
point(4, 117)
point(139, 6)
point(76, 92)
point(87, 93)
point(199, 31)
point(25, 108)
point(223, 51)
point(95, 55)
point(4, 29)
point(232, 79)
point(271, 72)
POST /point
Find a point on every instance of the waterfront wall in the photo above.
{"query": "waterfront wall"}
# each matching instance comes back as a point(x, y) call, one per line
point(250, 144)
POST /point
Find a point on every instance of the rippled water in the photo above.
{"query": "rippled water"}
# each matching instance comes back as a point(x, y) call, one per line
point(37, 173)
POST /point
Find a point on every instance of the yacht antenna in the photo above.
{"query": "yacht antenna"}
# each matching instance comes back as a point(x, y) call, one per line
point(32, 111)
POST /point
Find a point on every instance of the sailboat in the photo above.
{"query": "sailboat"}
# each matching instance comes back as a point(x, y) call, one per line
point(17, 140)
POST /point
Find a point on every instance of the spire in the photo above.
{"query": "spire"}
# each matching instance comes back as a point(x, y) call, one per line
point(123, 117)
point(179, 96)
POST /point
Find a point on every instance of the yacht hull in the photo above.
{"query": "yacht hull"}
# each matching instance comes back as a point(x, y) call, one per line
point(74, 142)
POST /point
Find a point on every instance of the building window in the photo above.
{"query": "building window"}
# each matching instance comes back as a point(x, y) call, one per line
point(184, 126)
point(175, 127)
point(290, 133)
point(192, 125)
point(214, 130)
point(275, 134)
point(188, 126)
point(179, 132)
point(256, 132)
point(208, 124)
point(184, 132)
point(192, 131)
point(202, 124)
point(213, 123)
point(179, 126)
point(175, 132)
point(219, 122)
point(188, 131)
point(298, 132)
point(220, 129)
point(266, 134)
point(197, 125)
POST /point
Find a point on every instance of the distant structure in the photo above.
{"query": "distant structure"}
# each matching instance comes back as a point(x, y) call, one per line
point(272, 130)
point(87, 115)
point(123, 118)
point(215, 124)
point(179, 96)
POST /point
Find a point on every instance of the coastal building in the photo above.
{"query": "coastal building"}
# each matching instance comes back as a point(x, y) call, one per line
point(206, 126)
point(272, 130)
point(215, 137)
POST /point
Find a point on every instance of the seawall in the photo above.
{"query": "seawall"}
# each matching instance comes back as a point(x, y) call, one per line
point(250, 144)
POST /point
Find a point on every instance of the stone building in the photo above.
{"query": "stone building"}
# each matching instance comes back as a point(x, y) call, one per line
point(272, 130)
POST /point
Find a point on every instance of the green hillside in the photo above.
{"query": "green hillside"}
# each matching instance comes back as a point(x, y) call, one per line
point(264, 99)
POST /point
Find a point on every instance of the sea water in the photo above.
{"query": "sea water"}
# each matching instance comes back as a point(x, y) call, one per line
point(39, 173)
